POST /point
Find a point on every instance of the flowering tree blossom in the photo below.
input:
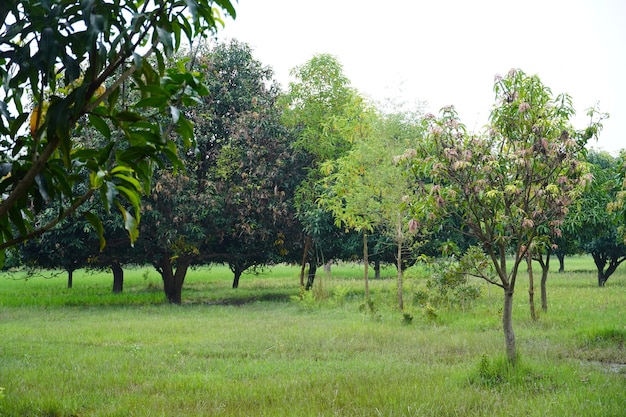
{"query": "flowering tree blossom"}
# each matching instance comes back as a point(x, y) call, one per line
point(510, 185)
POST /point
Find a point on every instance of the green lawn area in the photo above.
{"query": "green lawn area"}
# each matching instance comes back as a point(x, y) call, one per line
point(259, 351)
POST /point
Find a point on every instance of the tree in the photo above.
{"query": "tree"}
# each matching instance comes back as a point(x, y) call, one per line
point(231, 201)
point(65, 246)
point(248, 158)
point(176, 215)
point(72, 244)
point(598, 227)
point(508, 186)
point(329, 115)
point(72, 59)
point(117, 252)
point(366, 190)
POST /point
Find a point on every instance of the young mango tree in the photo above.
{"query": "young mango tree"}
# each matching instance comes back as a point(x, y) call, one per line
point(348, 196)
point(508, 185)
point(72, 59)
point(366, 190)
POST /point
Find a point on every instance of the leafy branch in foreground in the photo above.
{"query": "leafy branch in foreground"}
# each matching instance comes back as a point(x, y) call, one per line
point(76, 60)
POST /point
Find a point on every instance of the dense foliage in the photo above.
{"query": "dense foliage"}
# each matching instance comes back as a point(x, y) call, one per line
point(72, 60)
point(597, 227)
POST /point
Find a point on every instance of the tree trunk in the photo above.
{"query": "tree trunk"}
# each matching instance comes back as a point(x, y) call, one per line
point(366, 263)
point(173, 281)
point(507, 325)
point(237, 272)
point(118, 277)
point(311, 275)
point(400, 277)
point(305, 256)
point(377, 269)
point(545, 269)
point(70, 278)
point(561, 258)
point(600, 262)
point(399, 240)
point(328, 268)
point(531, 288)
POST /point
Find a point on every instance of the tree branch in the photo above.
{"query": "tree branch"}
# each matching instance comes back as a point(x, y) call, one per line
point(38, 232)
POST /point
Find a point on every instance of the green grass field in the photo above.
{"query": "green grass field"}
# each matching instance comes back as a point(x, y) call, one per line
point(258, 351)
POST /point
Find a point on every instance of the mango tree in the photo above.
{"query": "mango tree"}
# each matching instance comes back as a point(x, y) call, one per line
point(367, 192)
point(65, 60)
point(599, 226)
point(328, 115)
point(231, 200)
point(248, 158)
point(510, 183)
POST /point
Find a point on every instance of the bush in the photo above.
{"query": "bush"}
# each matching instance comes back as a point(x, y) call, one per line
point(446, 286)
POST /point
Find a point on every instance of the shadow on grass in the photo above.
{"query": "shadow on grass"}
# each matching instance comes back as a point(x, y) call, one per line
point(273, 297)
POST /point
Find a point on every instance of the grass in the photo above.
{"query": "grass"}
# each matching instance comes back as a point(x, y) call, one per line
point(260, 351)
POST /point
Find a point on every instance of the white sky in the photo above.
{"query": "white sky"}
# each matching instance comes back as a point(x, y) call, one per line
point(448, 51)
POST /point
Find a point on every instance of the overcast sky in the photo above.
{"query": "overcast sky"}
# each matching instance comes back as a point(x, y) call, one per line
point(448, 51)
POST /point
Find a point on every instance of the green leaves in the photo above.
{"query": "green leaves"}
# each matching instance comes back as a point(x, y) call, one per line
point(513, 184)
point(329, 112)
point(70, 56)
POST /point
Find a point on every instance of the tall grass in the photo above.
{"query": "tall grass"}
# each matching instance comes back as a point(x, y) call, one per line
point(261, 350)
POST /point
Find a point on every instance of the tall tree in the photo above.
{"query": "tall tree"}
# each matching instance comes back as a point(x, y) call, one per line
point(510, 184)
point(251, 163)
point(231, 202)
point(71, 59)
point(329, 115)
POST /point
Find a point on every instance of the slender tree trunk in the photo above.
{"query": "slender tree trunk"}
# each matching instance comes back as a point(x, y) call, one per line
point(305, 256)
point(118, 277)
point(70, 278)
point(328, 268)
point(311, 275)
point(399, 240)
point(561, 258)
point(507, 325)
point(545, 269)
point(531, 288)
point(366, 262)
point(400, 277)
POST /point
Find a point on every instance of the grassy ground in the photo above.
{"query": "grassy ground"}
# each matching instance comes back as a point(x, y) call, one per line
point(257, 351)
